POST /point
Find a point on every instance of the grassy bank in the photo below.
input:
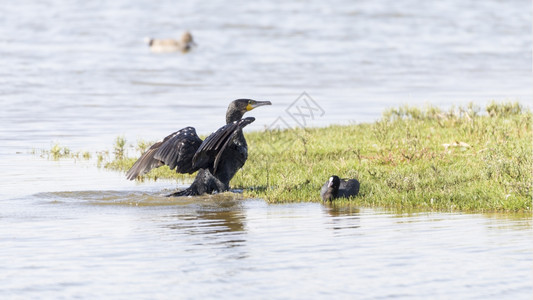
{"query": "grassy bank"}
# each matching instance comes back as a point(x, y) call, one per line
point(462, 159)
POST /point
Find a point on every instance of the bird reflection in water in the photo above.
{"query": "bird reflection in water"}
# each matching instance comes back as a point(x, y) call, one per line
point(222, 219)
point(343, 215)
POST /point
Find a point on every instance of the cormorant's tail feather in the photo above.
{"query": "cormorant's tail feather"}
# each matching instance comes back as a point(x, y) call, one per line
point(183, 193)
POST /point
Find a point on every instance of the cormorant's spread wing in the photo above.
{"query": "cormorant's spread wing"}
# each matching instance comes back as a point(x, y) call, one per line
point(176, 151)
point(214, 145)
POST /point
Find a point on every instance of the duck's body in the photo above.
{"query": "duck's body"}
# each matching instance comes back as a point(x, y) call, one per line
point(170, 45)
point(216, 159)
point(339, 188)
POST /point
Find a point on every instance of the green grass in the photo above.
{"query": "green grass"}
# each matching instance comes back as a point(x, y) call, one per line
point(412, 158)
point(57, 152)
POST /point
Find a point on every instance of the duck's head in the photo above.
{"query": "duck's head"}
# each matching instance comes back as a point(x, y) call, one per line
point(186, 39)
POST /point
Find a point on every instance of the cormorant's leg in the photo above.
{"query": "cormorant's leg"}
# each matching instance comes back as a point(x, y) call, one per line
point(204, 183)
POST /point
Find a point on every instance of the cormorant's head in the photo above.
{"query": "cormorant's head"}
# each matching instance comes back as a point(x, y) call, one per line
point(239, 107)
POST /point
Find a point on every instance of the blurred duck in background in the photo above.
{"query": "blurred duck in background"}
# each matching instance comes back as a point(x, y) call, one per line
point(169, 45)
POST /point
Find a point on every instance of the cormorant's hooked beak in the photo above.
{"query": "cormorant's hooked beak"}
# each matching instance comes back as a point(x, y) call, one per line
point(253, 104)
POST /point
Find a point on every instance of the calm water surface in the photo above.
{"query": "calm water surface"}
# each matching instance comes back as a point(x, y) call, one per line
point(137, 244)
point(77, 73)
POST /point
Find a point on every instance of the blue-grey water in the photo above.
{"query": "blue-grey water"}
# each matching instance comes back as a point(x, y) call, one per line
point(79, 74)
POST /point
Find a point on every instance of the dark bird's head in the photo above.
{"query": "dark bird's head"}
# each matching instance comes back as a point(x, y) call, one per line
point(333, 188)
point(239, 107)
point(334, 182)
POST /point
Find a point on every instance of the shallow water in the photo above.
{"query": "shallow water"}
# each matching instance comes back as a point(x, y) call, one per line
point(137, 244)
point(78, 74)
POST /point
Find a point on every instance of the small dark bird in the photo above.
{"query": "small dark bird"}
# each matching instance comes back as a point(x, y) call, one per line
point(216, 159)
point(336, 188)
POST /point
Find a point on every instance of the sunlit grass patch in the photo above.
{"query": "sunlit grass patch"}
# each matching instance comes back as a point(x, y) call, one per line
point(464, 158)
point(57, 152)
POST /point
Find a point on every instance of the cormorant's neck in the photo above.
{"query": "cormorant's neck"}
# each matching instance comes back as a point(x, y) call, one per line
point(233, 115)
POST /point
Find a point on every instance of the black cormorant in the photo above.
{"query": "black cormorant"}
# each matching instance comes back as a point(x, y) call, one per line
point(337, 188)
point(216, 159)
